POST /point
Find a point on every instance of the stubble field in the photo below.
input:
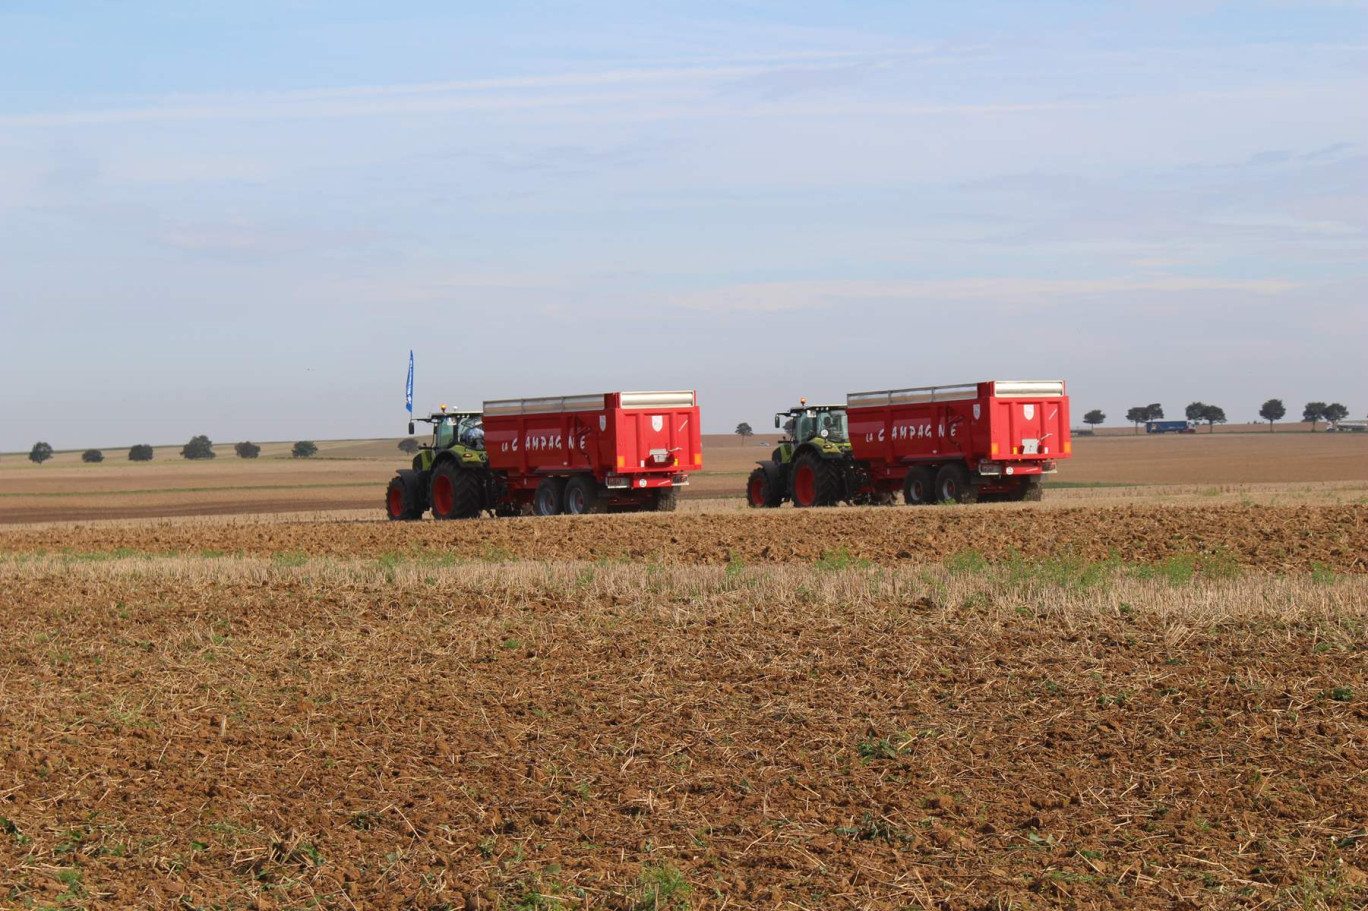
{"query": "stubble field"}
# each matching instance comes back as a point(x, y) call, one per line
point(1120, 698)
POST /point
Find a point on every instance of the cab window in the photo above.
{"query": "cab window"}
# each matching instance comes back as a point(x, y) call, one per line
point(444, 432)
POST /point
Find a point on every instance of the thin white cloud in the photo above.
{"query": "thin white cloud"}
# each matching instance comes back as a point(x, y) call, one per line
point(470, 94)
point(821, 295)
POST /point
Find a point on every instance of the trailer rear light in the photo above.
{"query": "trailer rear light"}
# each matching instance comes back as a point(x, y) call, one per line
point(680, 480)
point(1068, 447)
point(622, 462)
point(698, 459)
point(993, 450)
point(617, 481)
point(1047, 465)
point(986, 467)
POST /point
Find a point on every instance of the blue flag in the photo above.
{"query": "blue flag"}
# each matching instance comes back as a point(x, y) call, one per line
point(408, 387)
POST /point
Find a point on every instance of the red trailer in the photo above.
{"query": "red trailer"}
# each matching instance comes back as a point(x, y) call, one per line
point(990, 440)
point(586, 453)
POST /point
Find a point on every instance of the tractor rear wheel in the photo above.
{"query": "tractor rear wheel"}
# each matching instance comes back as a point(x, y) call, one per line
point(582, 496)
point(952, 484)
point(763, 490)
point(455, 493)
point(666, 499)
point(919, 486)
point(816, 482)
point(403, 499)
point(549, 499)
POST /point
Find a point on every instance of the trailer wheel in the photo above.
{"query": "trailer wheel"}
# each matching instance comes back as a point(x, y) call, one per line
point(763, 490)
point(403, 498)
point(582, 496)
point(918, 487)
point(816, 482)
point(549, 499)
point(952, 484)
point(666, 499)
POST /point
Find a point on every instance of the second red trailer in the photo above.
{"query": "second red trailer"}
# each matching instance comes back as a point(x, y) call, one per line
point(954, 442)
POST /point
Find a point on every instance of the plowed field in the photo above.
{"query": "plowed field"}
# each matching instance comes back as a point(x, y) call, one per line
point(219, 732)
point(1128, 707)
point(1268, 538)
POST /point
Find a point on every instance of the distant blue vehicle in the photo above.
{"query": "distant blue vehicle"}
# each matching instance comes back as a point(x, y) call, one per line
point(1170, 427)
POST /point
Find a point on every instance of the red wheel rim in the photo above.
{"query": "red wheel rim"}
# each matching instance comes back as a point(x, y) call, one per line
point(396, 502)
point(805, 485)
point(757, 491)
point(443, 495)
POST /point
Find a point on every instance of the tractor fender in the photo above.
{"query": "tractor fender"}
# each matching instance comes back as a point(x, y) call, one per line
point(827, 453)
point(774, 470)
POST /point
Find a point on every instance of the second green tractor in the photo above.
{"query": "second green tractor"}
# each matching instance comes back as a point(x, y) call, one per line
point(812, 465)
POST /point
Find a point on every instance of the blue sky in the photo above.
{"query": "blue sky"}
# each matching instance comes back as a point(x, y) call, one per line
point(237, 219)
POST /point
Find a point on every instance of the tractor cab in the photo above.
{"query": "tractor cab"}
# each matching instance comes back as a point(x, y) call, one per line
point(455, 428)
point(813, 422)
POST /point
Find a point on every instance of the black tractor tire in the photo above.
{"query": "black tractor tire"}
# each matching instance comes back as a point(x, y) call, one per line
point(455, 493)
point(816, 481)
point(953, 485)
point(549, 500)
point(919, 487)
point(404, 499)
point(666, 499)
point(763, 489)
point(582, 496)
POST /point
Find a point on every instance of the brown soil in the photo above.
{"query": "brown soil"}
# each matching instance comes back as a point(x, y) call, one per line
point(228, 486)
point(267, 738)
point(1269, 538)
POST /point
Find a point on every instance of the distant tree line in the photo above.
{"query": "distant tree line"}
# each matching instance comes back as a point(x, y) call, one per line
point(1271, 411)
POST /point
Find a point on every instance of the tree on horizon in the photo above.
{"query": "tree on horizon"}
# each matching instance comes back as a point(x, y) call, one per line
point(199, 447)
point(1272, 410)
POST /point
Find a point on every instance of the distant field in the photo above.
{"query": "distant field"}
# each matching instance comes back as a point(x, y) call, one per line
point(351, 474)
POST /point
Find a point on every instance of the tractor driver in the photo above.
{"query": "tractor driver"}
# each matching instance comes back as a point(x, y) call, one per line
point(473, 435)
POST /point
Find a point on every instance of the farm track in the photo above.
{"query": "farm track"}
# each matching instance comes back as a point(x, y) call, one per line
point(233, 732)
point(1267, 538)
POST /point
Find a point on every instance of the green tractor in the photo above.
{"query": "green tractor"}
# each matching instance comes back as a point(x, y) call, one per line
point(450, 475)
point(812, 465)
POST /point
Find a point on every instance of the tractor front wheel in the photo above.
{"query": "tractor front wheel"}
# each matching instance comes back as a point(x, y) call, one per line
point(403, 499)
point(762, 488)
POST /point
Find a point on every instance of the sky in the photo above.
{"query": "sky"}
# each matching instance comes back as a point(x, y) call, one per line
point(237, 219)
